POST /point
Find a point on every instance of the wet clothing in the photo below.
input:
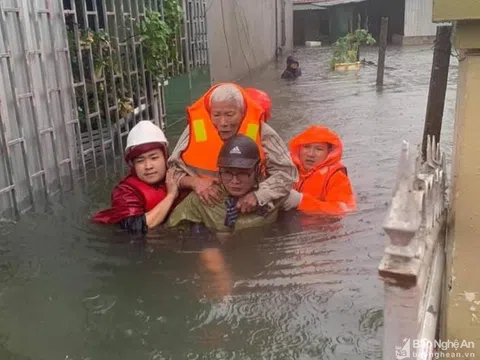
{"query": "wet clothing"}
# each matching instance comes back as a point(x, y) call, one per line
point(326, 188)
point(292, 73)
point(282, 173)
point(131, 197)
point(135, 224)
point(222, 216)
point(130, 200)
point(205, 143)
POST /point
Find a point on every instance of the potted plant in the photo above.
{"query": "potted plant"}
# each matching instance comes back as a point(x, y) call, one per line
point(345, 49)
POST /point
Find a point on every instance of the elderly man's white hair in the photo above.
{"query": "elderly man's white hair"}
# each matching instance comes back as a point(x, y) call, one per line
point(227, 92)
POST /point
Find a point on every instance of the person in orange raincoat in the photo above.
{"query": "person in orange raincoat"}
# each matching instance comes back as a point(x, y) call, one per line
point(323, 186)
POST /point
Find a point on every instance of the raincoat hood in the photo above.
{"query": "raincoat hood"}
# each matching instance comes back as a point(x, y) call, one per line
point(316, 134)
point(292, 60)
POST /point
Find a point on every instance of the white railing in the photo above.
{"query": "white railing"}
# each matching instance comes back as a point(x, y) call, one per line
point(414, 261)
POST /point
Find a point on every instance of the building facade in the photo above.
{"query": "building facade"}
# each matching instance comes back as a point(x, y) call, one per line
point(461, 318)
point(410, 21)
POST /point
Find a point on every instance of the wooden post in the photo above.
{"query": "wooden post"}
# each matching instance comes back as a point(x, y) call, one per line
point(438, 86)
point(359, 26)
point(381, 51)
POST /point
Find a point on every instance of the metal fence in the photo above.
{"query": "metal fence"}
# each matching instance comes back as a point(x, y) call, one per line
point(73, 80)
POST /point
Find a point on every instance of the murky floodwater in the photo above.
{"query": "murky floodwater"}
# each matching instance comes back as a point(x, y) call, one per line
point(299, 290)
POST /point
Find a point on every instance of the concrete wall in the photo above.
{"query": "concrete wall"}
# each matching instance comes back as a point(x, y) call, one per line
point(242, 36)
point(448, 10)
point(288, 24)
point(418, 18)
point(463, 252)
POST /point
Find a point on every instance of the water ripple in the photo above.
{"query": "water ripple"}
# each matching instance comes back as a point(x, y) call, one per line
point(306, 289)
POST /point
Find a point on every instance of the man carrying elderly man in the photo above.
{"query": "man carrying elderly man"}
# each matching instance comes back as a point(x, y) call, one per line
point(221, 113)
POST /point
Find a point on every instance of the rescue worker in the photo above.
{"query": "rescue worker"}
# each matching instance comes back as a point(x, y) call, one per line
point(143, 199)
point(240, 171)
point(262, 99)
point(293, 69)
point(323, 187)
point(225, 110)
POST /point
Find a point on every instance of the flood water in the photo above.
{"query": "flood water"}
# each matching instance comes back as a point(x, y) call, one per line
point(298, 290)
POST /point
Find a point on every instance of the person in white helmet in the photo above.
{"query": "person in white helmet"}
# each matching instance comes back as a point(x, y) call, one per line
point(143, 199)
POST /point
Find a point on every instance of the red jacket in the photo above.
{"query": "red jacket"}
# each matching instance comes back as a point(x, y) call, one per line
point(131, 197)
point(326, 188)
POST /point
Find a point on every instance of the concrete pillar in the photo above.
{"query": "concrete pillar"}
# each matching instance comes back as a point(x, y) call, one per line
point(413, 264)
point(463, 299)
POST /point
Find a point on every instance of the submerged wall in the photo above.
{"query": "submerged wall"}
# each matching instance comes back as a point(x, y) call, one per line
point(245, 34)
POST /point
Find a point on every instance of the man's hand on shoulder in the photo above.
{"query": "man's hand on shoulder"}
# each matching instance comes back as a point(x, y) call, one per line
point(207, 190)
point(248, 203)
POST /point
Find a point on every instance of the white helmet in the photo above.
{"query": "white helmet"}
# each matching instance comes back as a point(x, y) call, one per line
point(143, 133)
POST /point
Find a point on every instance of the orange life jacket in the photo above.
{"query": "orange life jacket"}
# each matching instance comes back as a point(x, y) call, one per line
point(204, 142)
point(262, 99)
point(323, 192)
point(318, 180)
point(151, 195)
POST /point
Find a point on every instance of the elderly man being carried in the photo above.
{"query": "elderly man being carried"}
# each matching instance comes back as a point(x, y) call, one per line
point(224, 111)
point(240, 173)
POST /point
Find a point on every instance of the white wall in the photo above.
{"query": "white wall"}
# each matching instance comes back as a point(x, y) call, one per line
point(241, 35)
point(418, 18)
point(288, 23)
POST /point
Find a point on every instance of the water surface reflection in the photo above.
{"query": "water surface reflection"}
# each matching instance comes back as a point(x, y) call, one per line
point(302, 289)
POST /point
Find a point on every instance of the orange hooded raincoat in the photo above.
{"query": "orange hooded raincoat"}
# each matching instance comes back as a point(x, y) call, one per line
point(326, 188)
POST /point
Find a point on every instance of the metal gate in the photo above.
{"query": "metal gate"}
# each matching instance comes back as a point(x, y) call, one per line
point(73, 80)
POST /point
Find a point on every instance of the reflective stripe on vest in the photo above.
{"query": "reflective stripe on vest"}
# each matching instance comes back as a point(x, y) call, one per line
point(200, 132)
point(204, 143)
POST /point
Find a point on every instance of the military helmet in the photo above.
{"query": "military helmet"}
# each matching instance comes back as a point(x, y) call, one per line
point(239, 151)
